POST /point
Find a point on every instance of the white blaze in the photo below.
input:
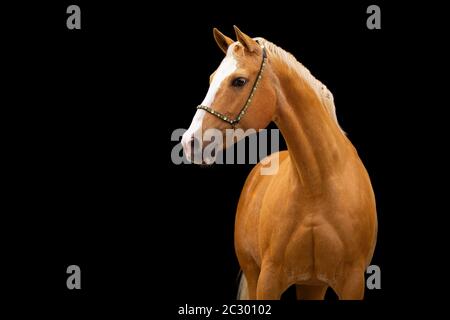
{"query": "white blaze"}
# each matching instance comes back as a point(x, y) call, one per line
point(226, 68)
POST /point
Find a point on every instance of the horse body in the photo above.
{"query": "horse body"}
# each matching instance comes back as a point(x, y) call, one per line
point(313, 223)
point(296, 237)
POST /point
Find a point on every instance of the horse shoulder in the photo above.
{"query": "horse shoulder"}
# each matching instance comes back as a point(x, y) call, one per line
point(257, 181)
point(249, 206)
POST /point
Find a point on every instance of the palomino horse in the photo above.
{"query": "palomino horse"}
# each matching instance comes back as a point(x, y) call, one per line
point(313, 223)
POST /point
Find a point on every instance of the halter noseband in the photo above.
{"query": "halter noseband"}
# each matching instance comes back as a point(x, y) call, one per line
point(235, 121)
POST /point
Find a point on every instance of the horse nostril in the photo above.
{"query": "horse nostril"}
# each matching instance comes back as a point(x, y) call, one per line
point(192, 144)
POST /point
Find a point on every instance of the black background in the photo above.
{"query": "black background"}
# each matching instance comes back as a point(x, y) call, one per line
point(90, 116)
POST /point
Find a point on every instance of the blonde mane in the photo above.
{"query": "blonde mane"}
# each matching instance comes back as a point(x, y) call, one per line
point(321, 90)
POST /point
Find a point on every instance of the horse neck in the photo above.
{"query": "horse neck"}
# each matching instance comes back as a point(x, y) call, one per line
point(316, 145)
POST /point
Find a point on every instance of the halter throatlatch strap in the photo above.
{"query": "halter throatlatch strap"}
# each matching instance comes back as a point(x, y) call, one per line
point(235, 121)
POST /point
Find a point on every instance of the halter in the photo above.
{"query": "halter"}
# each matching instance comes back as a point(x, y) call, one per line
point(235, 121)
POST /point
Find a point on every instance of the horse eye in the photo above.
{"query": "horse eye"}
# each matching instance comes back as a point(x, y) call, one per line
point(239, 82)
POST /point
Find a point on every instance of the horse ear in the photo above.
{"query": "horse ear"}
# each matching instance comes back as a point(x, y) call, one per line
point(222, 40)
point(248, 43)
